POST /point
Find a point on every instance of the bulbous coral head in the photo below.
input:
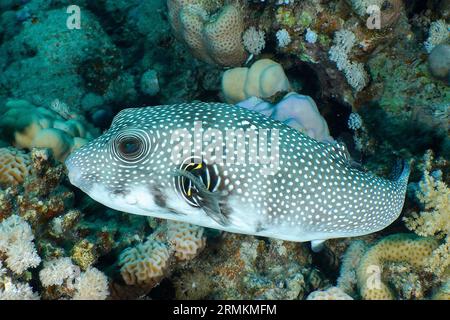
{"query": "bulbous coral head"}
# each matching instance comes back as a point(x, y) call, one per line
point(212, 32)
point(27, 126)
point(263, 79)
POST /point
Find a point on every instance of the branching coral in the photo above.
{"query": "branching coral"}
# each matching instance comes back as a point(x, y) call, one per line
point(16, 243)
point(59, 271)
point(434, 195)
point(214, 37)
point(356, 76)
point(62, 278)
point(91, 285)
point(254, 40)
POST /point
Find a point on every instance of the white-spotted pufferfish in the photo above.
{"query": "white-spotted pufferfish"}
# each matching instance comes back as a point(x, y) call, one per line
point(315, 194)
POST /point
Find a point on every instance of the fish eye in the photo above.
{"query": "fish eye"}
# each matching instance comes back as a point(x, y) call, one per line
point(131, 146)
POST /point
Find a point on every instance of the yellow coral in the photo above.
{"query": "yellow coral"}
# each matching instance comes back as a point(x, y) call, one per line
point(263, 79)
point(28, 126)
point(15, 165)
point(434, 194)
point(395, 248)
point(145, 263)
point(83, 254)
point(215, 38)
point(187, 240)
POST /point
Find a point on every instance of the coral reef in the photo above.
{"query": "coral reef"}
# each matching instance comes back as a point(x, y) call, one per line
point(243, 267)
point(26, 211)
point(380, 90)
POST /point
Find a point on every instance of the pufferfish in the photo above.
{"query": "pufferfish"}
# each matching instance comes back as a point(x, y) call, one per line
point(310, 193)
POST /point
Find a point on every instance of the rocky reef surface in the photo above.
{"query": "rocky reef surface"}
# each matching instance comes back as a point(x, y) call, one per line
point(380, 89)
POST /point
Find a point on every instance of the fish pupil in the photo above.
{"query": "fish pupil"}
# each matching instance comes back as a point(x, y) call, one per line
point(129, 146)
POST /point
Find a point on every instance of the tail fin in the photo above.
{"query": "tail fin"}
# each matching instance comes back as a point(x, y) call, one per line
point(401, 170)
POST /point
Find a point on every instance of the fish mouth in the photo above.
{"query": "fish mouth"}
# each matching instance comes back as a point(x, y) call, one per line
point(77, 178)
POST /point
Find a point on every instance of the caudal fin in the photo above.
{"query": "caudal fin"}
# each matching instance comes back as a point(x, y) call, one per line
point(400, 173)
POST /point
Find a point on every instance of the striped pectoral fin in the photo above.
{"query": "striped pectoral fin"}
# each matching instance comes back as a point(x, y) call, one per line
point(196, 184)
point(317, 245)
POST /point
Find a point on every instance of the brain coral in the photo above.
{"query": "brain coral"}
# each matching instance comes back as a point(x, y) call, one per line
point(15, 165)
point(212, 32)
point(144, 264)
point(394, 248)
point(187, 240)
point(27, 126)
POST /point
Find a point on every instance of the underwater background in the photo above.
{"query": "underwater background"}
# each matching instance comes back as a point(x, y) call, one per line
point(377, 70)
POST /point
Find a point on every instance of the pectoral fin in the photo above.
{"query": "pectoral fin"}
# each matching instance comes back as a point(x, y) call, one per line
point(195, 184)
point(317, 245)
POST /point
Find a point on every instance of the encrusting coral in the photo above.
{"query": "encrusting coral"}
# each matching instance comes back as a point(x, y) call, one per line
point(214, 37)
point(408, 248)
